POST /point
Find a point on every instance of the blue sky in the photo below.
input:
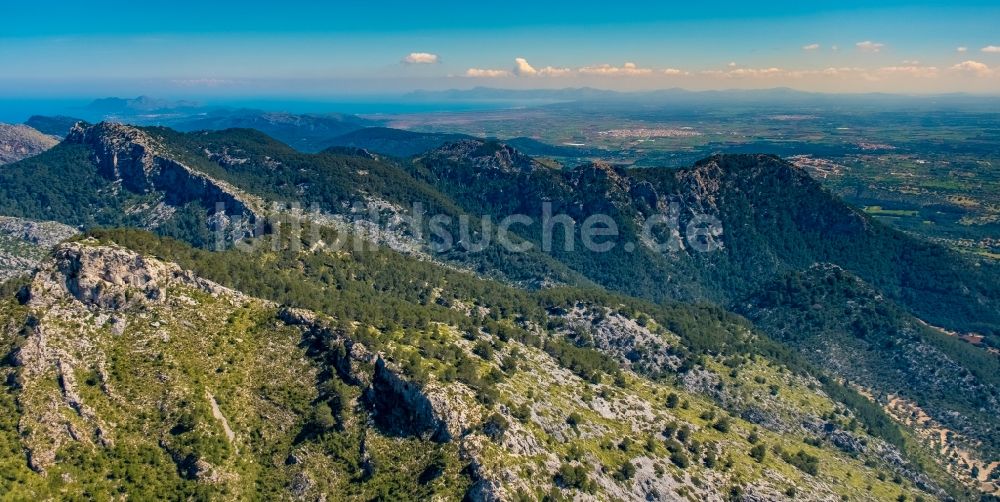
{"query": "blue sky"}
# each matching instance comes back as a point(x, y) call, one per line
point(296, 48)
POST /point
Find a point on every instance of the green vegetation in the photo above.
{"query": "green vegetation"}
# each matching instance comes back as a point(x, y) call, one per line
point(890, 351)
point(880, 211)
point(803, 461)
point(61, 184)
point(479, 345)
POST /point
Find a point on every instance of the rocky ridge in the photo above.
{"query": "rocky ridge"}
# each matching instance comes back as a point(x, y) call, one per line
point(20, 141)
point(132, 157)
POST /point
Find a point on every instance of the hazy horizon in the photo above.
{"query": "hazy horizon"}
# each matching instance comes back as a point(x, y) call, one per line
point(302, 49)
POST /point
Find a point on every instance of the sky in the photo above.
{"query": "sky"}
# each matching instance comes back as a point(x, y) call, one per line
point(351, 48)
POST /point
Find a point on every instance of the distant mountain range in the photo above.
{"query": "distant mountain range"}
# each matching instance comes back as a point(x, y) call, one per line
point(141, 104)
point(307, 132)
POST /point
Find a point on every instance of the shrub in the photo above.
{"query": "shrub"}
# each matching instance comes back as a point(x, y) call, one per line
point(722, 424)
point(803, 461)
point(322, 419)
point(495, 426)
point(680, 459)
point(710, 460)
point(684, 433)
point(483, 349)
point(625, 472)
point(573, 476)
point(673, 400)
point(670, 430)
point(522, 413)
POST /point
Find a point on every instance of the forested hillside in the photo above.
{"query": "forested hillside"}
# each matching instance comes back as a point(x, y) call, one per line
point(632, 346)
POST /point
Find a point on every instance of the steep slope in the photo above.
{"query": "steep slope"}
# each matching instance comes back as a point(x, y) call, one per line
point(124, 385)
point(20, 141)
point(840, 322)
point(118, 383)
point(113, 174)
point(360, 190)
point(778, 217)
point(775, 220)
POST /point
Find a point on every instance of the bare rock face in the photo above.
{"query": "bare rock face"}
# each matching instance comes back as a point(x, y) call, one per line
point(20, 141)
point(110, 277)
point(402, 408)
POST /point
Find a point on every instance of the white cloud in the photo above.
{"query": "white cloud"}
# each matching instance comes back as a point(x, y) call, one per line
point(911, 62)
point(869, 46)
point(961, 49)
point(550, 71)
point(974, 68)
point(810, 47)
point(991, 48)
point(840, 71)
point(627, 69)
point(756, 72)
point(421, 58)
point(835, 47)
point(522, 68)
point(913, 70)
point(732, 64)
point(486, 73)
point(745, 72)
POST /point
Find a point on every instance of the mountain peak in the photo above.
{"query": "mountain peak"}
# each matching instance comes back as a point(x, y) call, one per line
point(748, 170)
point(144, 165)
point(106, 276)
point(737, 161)
point(82, 132)
point(485, 156)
